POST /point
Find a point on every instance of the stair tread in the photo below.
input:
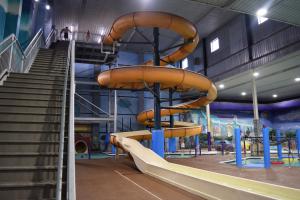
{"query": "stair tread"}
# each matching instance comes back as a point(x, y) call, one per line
point(27, 184)
point(23, 168)
point(29, 153)
point(28, 142)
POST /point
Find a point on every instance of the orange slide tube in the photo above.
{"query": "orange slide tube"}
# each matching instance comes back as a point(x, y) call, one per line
point(142, 76)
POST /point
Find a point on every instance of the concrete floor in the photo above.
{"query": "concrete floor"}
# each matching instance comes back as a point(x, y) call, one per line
point(278, 175)
point(111, 180)
point(114, 180)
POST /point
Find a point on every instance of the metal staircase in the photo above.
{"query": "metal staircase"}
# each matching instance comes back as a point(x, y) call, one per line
point(31, 107)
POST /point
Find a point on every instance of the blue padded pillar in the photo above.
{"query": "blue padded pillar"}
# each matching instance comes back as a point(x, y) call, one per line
point(172, 144)
point(113, 149)
point(238, 149)
point(279, 146)
point(298, 141)
point(266, 142)
point(197, 145)
point(158, 142)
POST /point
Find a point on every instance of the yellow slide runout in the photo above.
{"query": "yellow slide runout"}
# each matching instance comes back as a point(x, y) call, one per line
point(209, 185)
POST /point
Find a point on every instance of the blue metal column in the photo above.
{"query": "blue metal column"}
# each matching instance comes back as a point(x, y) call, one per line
point(266, 142)
point(298, 141)
point(172, 141)
point(208, 141)
point(172, 144)
point(113, 149)
point(238, 149)
point(197, 145)
point(158, 140)
point(279, 146)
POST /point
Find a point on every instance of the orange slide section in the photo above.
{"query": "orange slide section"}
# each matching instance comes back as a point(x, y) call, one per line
point(142, 76)
point(209, 185)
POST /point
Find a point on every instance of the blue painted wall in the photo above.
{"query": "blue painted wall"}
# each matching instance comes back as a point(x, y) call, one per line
point(3, 9)
point(12, 19)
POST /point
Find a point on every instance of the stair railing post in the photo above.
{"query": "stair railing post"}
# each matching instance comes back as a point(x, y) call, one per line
point(10, 57)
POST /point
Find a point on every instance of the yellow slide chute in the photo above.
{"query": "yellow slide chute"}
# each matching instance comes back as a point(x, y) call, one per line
point(138, 77)
point(209, 185)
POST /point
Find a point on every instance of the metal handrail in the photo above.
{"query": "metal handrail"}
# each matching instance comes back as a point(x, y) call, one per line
point(71, 188)
point(33, 42)
point(25, 56)
point(81, 97)
point(62, 131)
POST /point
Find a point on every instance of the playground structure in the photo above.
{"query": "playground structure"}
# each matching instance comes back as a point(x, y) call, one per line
point(265, 140)
point(206, 184)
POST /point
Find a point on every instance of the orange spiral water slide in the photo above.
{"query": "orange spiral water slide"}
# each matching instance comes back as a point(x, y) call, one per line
point(142, 76)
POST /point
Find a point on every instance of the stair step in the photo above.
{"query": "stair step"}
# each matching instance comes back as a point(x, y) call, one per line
point(47, 71)
point(34, 136)
point(52, 67)
point(29, 127)
point(5, 95)
point(29, 110)
point(28, 174)
point(34, 81)
point(13, 117)
point(28, 190)
point(28, 146)
point(30, 103)
point(28, 159)
point(33, 85)
point(48, 74)
point(50, 64)
point(50, 58)
point(36, 76)
point(30, 90)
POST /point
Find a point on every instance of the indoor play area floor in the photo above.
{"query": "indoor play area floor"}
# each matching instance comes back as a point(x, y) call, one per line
point(278, 174)
point(112, 179)
point(119, 179)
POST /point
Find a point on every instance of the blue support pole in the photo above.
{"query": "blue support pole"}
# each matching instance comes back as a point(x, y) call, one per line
point(113, 149)
point(298, 141)
point(208, 141)
point(238, 149)
point(172, 144)
point(197, 145)
point(266, 142)
point(279, 146)
point(158, 142)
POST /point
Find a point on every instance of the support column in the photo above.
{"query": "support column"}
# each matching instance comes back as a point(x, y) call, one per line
point(279, 146)
point(266, 142)
point(255, 112)
point(238, 149)
point(157, 132)
point(172, 141)
point(197, 145)
point(298, 141)
point(208, 127)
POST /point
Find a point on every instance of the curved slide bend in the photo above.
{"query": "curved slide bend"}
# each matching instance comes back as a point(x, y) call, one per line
point(204, 183)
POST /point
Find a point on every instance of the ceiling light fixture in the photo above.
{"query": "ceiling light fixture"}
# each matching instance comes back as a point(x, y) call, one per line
point(221, 86)
point(243, 93)
point(275, 95)
point(255, 74)
point(36, 0)
point(261, 12)
point(297, 79)
point(47, 7)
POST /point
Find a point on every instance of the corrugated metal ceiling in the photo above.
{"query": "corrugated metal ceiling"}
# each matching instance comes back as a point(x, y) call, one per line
point(97, 16)
point(287, 11)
